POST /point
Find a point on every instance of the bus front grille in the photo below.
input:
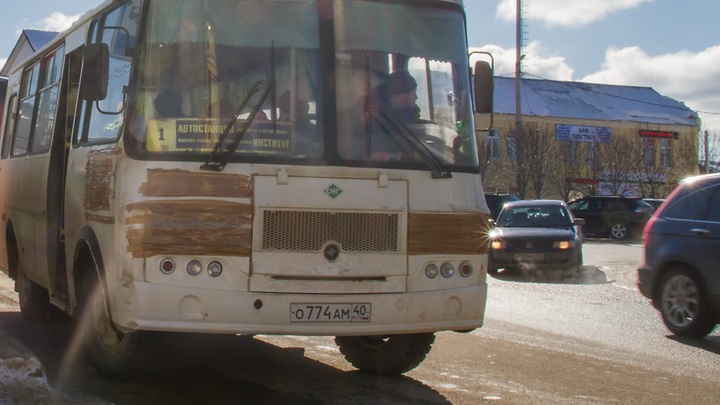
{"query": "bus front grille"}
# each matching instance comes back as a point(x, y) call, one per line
point(309, 231)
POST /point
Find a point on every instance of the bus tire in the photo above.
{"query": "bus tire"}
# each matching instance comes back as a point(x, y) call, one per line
point(114, 354)
point(394, 354)
point(33, 299)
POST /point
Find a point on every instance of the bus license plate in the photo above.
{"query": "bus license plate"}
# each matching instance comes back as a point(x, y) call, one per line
point(330, 312)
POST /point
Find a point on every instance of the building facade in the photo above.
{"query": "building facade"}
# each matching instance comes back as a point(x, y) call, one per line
point(582, 139)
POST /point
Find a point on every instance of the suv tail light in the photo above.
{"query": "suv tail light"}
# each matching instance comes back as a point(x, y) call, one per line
point(646, 230)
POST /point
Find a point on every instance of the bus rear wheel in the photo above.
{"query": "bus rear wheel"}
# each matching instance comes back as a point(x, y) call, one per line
point(393, 354)
point(114, 354)
point(33, 299)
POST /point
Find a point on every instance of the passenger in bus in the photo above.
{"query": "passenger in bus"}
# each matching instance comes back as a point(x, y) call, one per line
point(168, 104)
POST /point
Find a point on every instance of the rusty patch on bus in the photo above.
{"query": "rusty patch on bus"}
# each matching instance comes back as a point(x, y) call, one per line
point(183, 183)
point(189, 227)
point(98, 179)
point(448, 234)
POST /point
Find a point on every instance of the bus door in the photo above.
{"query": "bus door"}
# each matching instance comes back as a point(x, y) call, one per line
point(29, 157)
point(55, 226)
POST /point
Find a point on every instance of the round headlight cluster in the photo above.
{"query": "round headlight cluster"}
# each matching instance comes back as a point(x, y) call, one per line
point(431, 271)
point(447, 270)
point(194, 267)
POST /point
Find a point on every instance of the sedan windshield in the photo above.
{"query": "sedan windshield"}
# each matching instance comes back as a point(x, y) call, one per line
point(535, 217)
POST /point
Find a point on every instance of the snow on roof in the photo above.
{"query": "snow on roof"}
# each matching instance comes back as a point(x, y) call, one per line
point(38, 39)
point(591, 101)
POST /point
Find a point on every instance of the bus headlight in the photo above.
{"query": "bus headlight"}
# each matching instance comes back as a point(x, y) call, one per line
point(431, 271)
point(447, 270)
point(194, 267)
point(215, 269)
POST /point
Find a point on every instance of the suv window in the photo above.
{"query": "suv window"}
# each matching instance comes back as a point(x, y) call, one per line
point(693, 206)
point(714, 206)
point(699, 205)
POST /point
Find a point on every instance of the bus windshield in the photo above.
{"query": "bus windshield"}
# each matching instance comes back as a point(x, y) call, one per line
point(247, 78)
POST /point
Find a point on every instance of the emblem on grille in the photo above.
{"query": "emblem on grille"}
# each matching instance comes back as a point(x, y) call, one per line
point(528, 245)
point(333, 191)
point(331, 252)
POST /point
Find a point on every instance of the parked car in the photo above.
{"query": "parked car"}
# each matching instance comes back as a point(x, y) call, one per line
point(536, 235)
point(680, 273)
point(654, 202)
point(612, 216)
point(495, 202)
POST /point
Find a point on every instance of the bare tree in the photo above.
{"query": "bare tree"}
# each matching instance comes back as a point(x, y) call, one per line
point(619, 165)
point(482, 150)
point(537, 147)
point(520, 165)
point(709, 150)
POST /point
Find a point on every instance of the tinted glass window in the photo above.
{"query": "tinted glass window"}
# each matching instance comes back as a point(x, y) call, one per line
point(714, 211)
point(692, 206)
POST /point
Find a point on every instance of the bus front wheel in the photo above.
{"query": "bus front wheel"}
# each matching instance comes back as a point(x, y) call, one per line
point(114, 354)
point(393, 354)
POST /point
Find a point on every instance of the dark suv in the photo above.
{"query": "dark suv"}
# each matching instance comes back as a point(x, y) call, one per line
point(611, 216)
point(680, 273)
point(496, 201)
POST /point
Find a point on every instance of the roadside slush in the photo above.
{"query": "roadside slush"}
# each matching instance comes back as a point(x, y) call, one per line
point(7, 287)
point(23, 379)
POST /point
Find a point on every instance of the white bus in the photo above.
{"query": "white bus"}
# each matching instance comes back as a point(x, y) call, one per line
point(240, 167)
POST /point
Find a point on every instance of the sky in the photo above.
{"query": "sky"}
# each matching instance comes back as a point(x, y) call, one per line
point(672, 46)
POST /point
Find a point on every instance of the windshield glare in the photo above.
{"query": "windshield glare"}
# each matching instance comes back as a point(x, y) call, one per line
point(200, 62)
point(534, 217)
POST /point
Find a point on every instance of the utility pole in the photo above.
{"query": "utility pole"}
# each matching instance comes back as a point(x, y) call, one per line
point(520, 175)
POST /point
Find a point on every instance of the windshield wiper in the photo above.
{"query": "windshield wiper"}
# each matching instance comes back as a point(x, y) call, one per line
point(439, 169)
point(220, 155)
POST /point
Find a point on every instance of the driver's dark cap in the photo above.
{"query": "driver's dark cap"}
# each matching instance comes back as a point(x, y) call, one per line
point(401, 82)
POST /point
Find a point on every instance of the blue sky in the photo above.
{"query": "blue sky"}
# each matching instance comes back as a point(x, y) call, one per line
point(670, 45)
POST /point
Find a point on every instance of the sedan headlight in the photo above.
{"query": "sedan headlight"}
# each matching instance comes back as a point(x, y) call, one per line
point(564, 244)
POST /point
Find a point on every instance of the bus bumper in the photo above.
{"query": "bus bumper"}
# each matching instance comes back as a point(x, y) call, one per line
point(178, 309)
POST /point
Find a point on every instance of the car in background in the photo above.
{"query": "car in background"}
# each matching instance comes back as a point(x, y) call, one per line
point(680, 273)
point(612, 216)
point(495, 202)
point(654, 202)
point(536, 235)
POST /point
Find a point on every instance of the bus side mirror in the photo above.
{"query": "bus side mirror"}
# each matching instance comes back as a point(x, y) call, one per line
point(484, 87)
point(96, 60)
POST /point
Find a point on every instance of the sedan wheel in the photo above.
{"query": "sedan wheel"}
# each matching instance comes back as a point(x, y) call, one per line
point(684, 308)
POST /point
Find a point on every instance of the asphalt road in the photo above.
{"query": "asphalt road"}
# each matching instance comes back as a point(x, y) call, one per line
point(588, 340)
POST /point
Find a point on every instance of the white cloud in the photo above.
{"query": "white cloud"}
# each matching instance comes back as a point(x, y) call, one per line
point(58, 21)
point(564, 12)
point(692, 78)
point(537, 62)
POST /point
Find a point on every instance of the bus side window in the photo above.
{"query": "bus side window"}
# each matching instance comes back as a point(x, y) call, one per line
point(9, 126)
